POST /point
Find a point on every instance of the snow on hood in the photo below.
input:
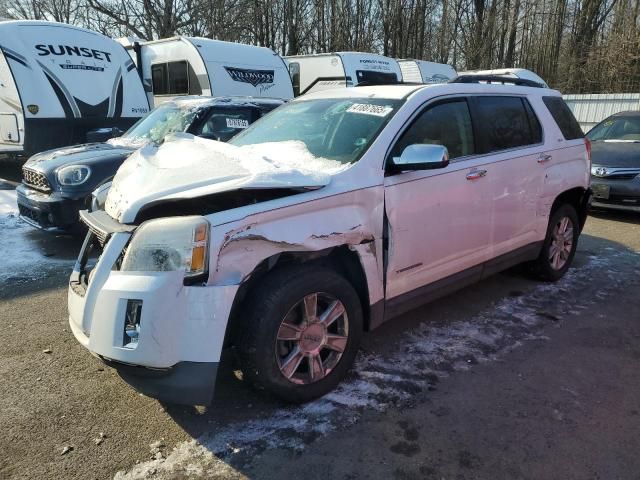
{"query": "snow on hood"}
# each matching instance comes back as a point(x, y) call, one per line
point(128, 142)
point(185, 166)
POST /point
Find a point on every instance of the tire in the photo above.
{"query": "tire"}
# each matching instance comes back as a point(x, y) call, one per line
point(276, 349)
point(552, 263)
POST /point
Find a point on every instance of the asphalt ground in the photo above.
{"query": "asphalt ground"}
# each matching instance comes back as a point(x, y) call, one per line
point(508, 378)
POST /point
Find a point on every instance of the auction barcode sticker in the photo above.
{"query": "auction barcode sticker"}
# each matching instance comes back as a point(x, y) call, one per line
point(368, 109)
point(237, 123)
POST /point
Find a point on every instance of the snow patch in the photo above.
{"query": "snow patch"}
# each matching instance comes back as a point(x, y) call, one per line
point(20, 261)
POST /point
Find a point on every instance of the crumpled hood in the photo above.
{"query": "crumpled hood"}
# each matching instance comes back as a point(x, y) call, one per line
point(86, 154)
point(185, 166)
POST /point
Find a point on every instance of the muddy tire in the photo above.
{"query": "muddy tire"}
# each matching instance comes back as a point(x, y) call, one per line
point(301, 332)
point(559, 246)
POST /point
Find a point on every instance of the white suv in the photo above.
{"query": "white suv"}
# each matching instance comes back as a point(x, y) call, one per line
point(333, 214)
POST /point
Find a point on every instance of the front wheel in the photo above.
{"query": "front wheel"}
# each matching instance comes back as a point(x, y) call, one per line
point(559, 246)
point(301, 332)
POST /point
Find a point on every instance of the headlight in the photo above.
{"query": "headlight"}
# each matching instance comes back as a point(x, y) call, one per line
point(73, 174)
point(169, 245)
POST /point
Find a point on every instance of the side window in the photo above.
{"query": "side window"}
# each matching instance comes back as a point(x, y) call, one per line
point(562, 115)
point(178, 77)
point(194, 82)
point(534, 123)
point(172, 78)
point(504, 123)
point(294, 73)
point(447, 124)
point(159, 79)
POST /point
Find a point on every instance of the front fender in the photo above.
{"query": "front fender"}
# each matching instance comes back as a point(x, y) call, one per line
point(349, 219)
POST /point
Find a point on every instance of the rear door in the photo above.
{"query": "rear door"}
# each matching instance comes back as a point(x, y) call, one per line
point(511, 135)
point(438, 220)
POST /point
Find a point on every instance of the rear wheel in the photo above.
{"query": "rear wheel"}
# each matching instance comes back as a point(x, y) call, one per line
point(559, 246)
point(302, 333)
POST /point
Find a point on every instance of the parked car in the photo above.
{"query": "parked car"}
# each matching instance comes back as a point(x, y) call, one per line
point(57, 184)
point(615, 172)
point(339, 211)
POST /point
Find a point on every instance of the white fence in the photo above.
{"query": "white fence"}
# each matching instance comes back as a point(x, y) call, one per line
point(591, 109)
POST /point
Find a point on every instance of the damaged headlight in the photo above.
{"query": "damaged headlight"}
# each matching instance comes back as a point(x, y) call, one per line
point(169, 245)
point(73, 174)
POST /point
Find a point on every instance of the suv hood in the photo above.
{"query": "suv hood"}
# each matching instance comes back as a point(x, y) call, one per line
point(186, 167)
point(86, 154)
point(616, 154)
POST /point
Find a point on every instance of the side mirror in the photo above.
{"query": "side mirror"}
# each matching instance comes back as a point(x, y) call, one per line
point(422, 157)
point(100, 135)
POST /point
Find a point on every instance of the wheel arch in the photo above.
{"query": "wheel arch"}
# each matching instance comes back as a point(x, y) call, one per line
point(343, 259)
point(579, 198)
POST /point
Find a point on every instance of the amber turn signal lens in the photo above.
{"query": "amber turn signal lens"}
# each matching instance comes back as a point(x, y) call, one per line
point(198, 255)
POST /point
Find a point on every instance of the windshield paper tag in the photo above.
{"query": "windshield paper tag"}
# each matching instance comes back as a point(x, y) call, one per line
point(237, 123)
point(367, 109)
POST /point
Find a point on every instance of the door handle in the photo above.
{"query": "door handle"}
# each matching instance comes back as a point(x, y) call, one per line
point(474, 175)
point(543, 158)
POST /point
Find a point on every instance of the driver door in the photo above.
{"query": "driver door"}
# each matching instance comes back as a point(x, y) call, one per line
point(439, 221)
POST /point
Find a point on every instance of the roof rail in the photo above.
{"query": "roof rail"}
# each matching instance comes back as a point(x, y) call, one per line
point(496, 79)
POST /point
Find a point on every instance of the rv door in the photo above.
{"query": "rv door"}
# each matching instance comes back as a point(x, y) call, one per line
point(9, 132)
point(10, 108)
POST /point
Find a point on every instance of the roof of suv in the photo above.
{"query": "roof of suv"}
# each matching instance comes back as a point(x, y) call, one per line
point(401, 91)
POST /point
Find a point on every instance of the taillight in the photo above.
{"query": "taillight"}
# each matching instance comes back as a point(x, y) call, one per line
point(587, 143)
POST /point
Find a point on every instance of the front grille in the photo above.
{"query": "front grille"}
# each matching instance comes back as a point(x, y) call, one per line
point(35, 179)
point(101, 236)
point(620, 200)
point(622, 176)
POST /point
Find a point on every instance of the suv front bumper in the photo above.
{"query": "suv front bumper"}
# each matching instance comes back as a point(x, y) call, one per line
point(180, 329)
point(49, 211)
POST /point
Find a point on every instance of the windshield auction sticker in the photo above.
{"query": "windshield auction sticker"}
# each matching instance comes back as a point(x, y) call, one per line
point(368, 109)
point(237, 123)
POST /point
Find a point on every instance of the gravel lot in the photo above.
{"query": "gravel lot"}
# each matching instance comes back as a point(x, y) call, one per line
point(506, 379)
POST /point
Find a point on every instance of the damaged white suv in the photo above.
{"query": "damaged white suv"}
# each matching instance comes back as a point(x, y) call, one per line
point(324, 219)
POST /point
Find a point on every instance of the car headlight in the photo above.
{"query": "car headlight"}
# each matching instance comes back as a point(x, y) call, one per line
point(169, 245)
point(73, 174)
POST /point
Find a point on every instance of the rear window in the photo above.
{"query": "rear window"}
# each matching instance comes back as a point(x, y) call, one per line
point(565, 120)
point(506, 122)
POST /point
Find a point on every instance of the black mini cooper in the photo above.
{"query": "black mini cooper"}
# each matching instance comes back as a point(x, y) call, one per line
point(57, 184)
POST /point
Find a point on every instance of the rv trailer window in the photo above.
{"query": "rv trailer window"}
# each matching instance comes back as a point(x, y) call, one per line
point(294, 73)
point(159, 79)
point(170, 78)
point(178, 78)
point(368, 77)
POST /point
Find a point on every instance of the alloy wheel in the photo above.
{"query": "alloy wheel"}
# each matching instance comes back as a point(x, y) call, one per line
point(312, 338)
point(561, 243)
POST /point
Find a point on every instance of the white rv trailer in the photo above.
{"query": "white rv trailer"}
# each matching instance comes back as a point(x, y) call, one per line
point(421, 71)
point(312, 73)
point(57, 82)
point(521, 73)
point(199, 66)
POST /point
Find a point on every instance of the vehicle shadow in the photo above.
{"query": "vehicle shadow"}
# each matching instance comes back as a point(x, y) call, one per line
point(235, 427)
